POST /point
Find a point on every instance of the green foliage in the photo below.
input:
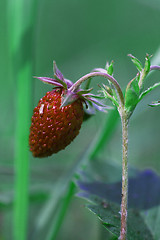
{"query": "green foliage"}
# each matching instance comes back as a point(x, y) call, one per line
point(136, 62)
point(147, 64)
point(135, 89)
point(109, 68)
point(110, 217)
point(110, 94)
point(132, 95)
point(103, 199)
point(149, 90)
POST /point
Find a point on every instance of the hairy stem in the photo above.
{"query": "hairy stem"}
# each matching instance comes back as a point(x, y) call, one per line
point(105, 75)
point(124, 201)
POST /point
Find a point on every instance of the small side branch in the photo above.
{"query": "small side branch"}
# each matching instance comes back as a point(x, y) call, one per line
point(105, 75)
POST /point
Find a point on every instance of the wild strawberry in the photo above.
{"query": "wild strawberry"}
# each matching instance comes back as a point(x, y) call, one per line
point(53, 127)
point(57, 119)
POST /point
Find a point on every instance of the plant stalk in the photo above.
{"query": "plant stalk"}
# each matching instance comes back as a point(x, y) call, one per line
point(124, 201)
point(100, 74)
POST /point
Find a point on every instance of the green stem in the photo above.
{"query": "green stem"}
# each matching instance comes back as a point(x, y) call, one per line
point(124, 201)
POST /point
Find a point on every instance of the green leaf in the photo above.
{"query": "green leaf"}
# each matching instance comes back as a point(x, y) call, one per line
point(108, 93)
point(108, 89)
point(136, 62)
point(132, 95)
point(108, 213)
point(147, 64)
point(109, 68)
point(105, 200)
point(148, 90)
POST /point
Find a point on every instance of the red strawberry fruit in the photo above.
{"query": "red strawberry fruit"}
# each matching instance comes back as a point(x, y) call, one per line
point(54, 127)
point(57, 119)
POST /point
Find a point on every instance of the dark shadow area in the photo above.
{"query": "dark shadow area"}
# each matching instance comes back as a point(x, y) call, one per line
point(144, 190)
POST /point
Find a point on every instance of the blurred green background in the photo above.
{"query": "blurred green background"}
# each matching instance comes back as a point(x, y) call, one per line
point(79, 35)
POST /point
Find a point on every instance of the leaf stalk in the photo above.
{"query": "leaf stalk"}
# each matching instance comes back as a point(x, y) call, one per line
point(101, 74)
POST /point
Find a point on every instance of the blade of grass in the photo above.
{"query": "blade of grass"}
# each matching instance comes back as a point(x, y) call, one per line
point(20, 22)
point(22, 156)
